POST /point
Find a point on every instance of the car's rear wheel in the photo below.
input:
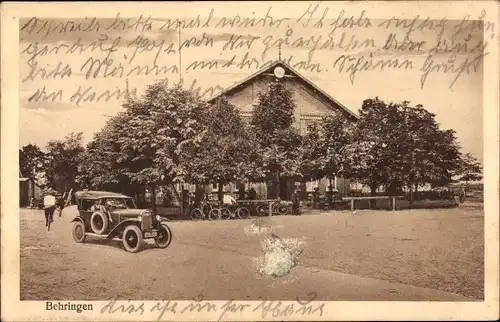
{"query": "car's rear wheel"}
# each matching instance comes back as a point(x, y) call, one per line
point(99, 222)
point(164, 236)
point(78, 232)
point(132, 239)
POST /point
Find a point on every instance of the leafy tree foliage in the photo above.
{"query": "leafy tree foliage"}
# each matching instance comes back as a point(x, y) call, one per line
point(143, 145)
point(277, 140)
point(100, 168)
point(31, 164)
point(327, 148)
point(172, 134)
point(158, 127)
point(375, 148)
point(398, 145)
point(226, 151)
point(470, 169)
point(63, 158)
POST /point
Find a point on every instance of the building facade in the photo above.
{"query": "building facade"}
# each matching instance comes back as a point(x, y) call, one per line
point(312, 104)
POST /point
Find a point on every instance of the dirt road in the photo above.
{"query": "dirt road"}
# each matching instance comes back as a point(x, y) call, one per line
point(407, 255)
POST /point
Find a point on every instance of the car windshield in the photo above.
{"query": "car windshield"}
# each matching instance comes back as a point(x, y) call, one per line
point(120, 203)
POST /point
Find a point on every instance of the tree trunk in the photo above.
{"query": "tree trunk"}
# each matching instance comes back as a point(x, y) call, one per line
point(330, 193)
point(220, 191)
point(373, 193)
point(411, 196)
point(153, 196)
point(278, 186)
point(269, 186)
point(272, 186)
point(32, 188)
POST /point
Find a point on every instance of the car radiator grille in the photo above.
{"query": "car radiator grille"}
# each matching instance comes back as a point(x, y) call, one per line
point(147, 222)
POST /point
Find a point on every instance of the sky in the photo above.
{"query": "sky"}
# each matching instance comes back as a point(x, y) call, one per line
point(458, 108)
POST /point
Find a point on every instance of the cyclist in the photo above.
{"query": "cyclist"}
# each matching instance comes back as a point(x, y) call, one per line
point(228, 200)
point(49, 206)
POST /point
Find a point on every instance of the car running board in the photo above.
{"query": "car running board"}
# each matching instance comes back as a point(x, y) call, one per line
point(102, 236)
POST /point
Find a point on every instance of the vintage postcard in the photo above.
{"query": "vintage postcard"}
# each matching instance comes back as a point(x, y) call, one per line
point(231, 161)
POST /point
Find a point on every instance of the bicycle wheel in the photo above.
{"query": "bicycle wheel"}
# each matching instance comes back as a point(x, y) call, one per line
point(205, 209)
point(282, 209)
point(262, 210)
point(225, 213)
point(243, 213)
point(196, 214)
point(214, 214)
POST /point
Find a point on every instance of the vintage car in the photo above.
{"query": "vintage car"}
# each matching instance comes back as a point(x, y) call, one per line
point(113, 216)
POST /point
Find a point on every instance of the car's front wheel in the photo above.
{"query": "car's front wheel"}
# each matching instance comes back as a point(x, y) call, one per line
point(132, 239)
point(79, 232)
point(164, 236)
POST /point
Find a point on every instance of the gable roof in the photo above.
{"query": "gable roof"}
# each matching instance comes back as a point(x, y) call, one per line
point(289, 70)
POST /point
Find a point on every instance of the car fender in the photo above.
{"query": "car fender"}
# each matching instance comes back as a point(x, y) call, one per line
point(118, 228)
point(80, 219)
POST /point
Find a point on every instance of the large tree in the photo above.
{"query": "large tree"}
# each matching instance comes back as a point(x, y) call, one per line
point(399, 145)
point(470, 169)
point(278, 141)
point(100, 166)
point(31, 163)
point(327, 148)
point(62, 161)
point(227, 150)
point(376, 145)
point(143, 145)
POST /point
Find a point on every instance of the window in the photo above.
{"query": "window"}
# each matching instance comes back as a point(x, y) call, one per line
point(333, 183)
point(309, 125)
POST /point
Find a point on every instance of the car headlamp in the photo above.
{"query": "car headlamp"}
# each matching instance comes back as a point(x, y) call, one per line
point(158, 217)
point(139, 218)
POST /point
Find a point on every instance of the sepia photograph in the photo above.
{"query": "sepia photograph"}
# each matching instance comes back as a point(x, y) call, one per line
point(271, 152)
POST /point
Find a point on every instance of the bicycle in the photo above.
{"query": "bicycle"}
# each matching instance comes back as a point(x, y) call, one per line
point(234, 211)
point(205, 212)
point(277, 208)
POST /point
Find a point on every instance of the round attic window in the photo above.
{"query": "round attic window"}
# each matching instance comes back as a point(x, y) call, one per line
point(279, 72)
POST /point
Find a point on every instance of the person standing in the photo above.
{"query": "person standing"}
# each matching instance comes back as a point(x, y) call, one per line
point(315, 197)
point(296, 202)
point(227, 199)
point(32, 203)
point(252, 194)
point(49, 206)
